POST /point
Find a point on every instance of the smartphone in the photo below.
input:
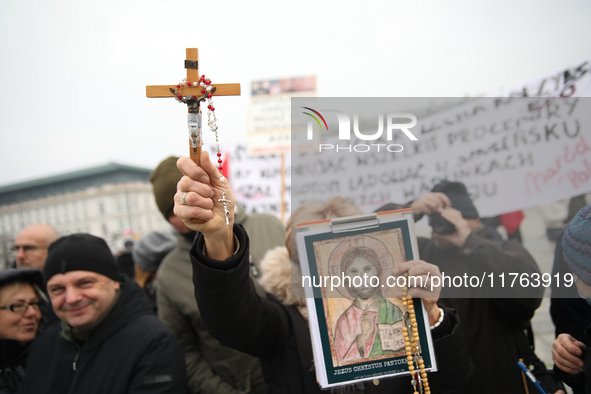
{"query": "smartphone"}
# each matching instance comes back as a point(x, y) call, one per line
point(532, 378)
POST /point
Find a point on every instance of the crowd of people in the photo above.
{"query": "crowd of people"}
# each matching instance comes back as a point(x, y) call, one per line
point(211, 306)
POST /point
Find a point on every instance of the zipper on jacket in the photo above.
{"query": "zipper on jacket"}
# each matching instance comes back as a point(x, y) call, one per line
point(72, 383)
point(76, 359)
point(253, 268)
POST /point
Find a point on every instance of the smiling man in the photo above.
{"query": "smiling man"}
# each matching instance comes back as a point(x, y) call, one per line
point(110, 339)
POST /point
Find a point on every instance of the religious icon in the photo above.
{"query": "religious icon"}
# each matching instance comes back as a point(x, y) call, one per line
point(357, 333)
point(356, 319)
point(364, 316)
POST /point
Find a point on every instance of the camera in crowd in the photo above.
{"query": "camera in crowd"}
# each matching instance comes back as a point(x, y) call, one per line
point(440, 225)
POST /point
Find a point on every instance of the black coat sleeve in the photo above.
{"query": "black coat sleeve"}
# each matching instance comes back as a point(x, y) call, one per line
point(231, 309)
point(455, 373)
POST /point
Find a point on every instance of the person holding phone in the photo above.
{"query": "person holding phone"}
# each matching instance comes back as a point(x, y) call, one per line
point(461, 246)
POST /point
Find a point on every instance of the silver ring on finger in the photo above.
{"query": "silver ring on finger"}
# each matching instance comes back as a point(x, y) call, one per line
point(185, 201)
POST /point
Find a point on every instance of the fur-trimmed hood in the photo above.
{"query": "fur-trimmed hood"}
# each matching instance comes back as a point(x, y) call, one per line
point(280, 276)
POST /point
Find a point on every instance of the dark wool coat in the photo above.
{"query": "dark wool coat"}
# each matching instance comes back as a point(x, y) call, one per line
point(130, 351)
point(493, 326)
point(211, 367)
point(13, 360)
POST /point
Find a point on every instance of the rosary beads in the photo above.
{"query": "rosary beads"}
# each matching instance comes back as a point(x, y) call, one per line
point(193, 102)
point(416, 364)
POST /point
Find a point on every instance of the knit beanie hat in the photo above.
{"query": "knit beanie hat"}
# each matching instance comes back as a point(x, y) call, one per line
point(80, 252)
point(576, 245)
point(164, 179)
point(151, 249)
point(459, 197)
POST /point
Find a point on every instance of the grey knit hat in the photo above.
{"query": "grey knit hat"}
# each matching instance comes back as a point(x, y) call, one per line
point(151, 249)
point(576, 245)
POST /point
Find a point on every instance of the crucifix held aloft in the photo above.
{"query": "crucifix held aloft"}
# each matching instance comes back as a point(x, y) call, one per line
point(194, 92)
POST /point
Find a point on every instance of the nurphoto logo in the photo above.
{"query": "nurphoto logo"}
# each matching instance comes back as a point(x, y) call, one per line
point(389, 122)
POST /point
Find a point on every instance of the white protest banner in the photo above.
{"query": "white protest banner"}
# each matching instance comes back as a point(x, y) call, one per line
point(573, 81)
point(512, 153)
point(257, 181)
point(515, 153)
point(269, 126)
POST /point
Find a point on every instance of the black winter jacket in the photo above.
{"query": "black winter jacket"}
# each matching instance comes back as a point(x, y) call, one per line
point(493, 326)
point(13, 360)
point(130, 351)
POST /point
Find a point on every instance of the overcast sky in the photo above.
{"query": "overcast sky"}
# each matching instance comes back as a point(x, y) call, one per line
point(74, 72)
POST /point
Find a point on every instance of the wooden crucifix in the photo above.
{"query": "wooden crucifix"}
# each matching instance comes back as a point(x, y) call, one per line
point(190, 91)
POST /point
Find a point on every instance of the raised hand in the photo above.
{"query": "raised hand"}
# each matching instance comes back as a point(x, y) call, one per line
point(197, 197)
point(429, 204)
point(457, 238)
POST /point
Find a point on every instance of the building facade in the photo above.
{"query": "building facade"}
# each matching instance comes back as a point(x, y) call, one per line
point(113, 201)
